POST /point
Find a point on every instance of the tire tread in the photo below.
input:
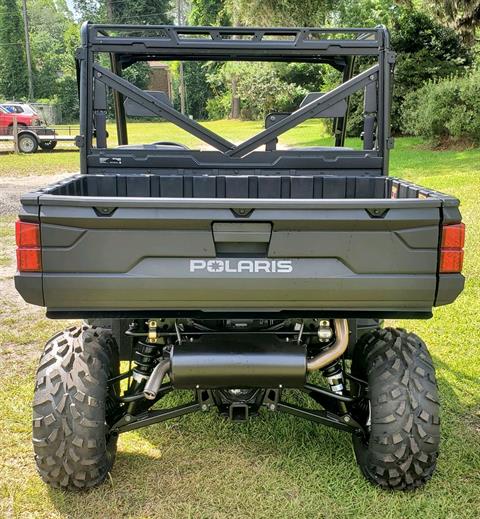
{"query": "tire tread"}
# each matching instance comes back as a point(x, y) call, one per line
point(405, 426)
point(69, 432)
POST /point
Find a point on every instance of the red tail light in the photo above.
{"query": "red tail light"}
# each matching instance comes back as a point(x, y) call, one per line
point(29, 253)
point(451, 249)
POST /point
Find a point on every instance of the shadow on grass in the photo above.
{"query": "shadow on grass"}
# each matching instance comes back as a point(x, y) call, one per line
point(61, 151)
point(203, 457)
point(203, 465)
point(466, 384)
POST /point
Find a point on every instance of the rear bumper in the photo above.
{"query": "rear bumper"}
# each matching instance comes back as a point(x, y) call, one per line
point(315, 286)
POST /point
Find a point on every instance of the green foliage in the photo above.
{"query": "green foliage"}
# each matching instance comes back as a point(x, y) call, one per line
point(463, 15)
point(218, 107)
point(138, 74)
point(279, 13)
point(426, 51)
point(208, 12)
point(154, 12)
point(13, 68)
point(54, 36)
point(125, 11)
point(260, 88)
point(199, 94)
point(197, 88)
point(445, 110)
point(67, 96)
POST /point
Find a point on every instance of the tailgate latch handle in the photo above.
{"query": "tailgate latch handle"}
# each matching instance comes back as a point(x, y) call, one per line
point(242, 232)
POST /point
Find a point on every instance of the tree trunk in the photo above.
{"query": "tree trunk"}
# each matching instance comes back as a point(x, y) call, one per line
point(235, 110)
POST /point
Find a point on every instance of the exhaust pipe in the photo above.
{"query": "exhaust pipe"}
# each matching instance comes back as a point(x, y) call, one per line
point(335, 351)
point(155, 380)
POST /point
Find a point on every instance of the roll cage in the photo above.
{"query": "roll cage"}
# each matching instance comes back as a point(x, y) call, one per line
point(128, 44)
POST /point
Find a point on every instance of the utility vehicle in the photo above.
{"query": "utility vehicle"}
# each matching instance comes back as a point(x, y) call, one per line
point(255, 275)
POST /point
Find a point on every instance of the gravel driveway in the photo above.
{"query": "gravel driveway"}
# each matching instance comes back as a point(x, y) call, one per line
point(11, 188)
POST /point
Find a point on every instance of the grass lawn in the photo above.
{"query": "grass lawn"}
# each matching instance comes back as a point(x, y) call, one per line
point(274, 467)
point(65, 159)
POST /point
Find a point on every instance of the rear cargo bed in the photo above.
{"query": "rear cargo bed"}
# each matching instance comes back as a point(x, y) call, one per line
point(189, 243)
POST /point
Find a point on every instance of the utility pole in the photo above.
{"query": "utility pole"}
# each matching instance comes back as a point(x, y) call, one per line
point(181, 89)
point(27, 47)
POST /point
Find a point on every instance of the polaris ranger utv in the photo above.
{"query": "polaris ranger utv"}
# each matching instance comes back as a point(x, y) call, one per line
point(245, 273)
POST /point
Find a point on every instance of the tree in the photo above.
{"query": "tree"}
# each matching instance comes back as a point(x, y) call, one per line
point(125, 11)
point(54, 35)
point(280, 13)
point(199, 92)
point(462, 15)
point(208, 12)
point(425, 51)
point(153, 12)
point(13, 66)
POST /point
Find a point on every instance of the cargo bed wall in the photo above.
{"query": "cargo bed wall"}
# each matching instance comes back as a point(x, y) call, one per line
point(232, 184)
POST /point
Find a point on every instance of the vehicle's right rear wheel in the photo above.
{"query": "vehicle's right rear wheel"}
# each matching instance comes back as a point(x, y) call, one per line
point(400, 411)
point(73, 408)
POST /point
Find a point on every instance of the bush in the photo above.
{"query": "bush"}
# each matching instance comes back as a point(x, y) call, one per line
point(259, 86)
point(67, 97)
point(426, 51)
point(219, 107)
point(445, 110)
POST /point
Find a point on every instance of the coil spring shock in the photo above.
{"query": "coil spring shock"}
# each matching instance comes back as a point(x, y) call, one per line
point(334, 376)
point(147, 353)
point(145, 358)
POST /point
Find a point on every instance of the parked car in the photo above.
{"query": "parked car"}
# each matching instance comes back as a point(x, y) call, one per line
point(19, 108)
point(8, 113)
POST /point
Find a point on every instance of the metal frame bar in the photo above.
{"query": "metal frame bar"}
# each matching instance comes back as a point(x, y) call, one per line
point(319, 416)
point(343, 422)
point(130, 422)
point(340, 123)
point(306, 112)
point(160, 108)
point(296, 43)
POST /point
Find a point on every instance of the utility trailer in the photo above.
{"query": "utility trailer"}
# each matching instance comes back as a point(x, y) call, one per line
point(29, 139)
point(247, 273)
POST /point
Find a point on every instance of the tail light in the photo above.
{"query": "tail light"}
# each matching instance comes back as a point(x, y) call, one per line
point(451, 248)
point(29, 252)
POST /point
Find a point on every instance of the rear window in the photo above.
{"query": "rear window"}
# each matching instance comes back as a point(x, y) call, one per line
point(13, 109)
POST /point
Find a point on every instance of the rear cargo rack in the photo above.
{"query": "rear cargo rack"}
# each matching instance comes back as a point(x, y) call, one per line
point(128, 44)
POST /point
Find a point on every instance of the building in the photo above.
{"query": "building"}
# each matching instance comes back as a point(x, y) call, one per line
point(160, 79)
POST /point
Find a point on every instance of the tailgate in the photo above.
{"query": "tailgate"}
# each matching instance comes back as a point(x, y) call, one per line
point(128, 254)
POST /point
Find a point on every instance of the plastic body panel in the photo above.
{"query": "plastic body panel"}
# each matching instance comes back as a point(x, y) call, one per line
point(375, 255)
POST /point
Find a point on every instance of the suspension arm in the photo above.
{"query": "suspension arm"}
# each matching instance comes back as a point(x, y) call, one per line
point(130, 422)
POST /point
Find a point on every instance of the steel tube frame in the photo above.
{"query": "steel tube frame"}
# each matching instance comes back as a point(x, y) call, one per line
point(292, 44)
point(308, 111)
point(131, 422)
point(160, 108)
